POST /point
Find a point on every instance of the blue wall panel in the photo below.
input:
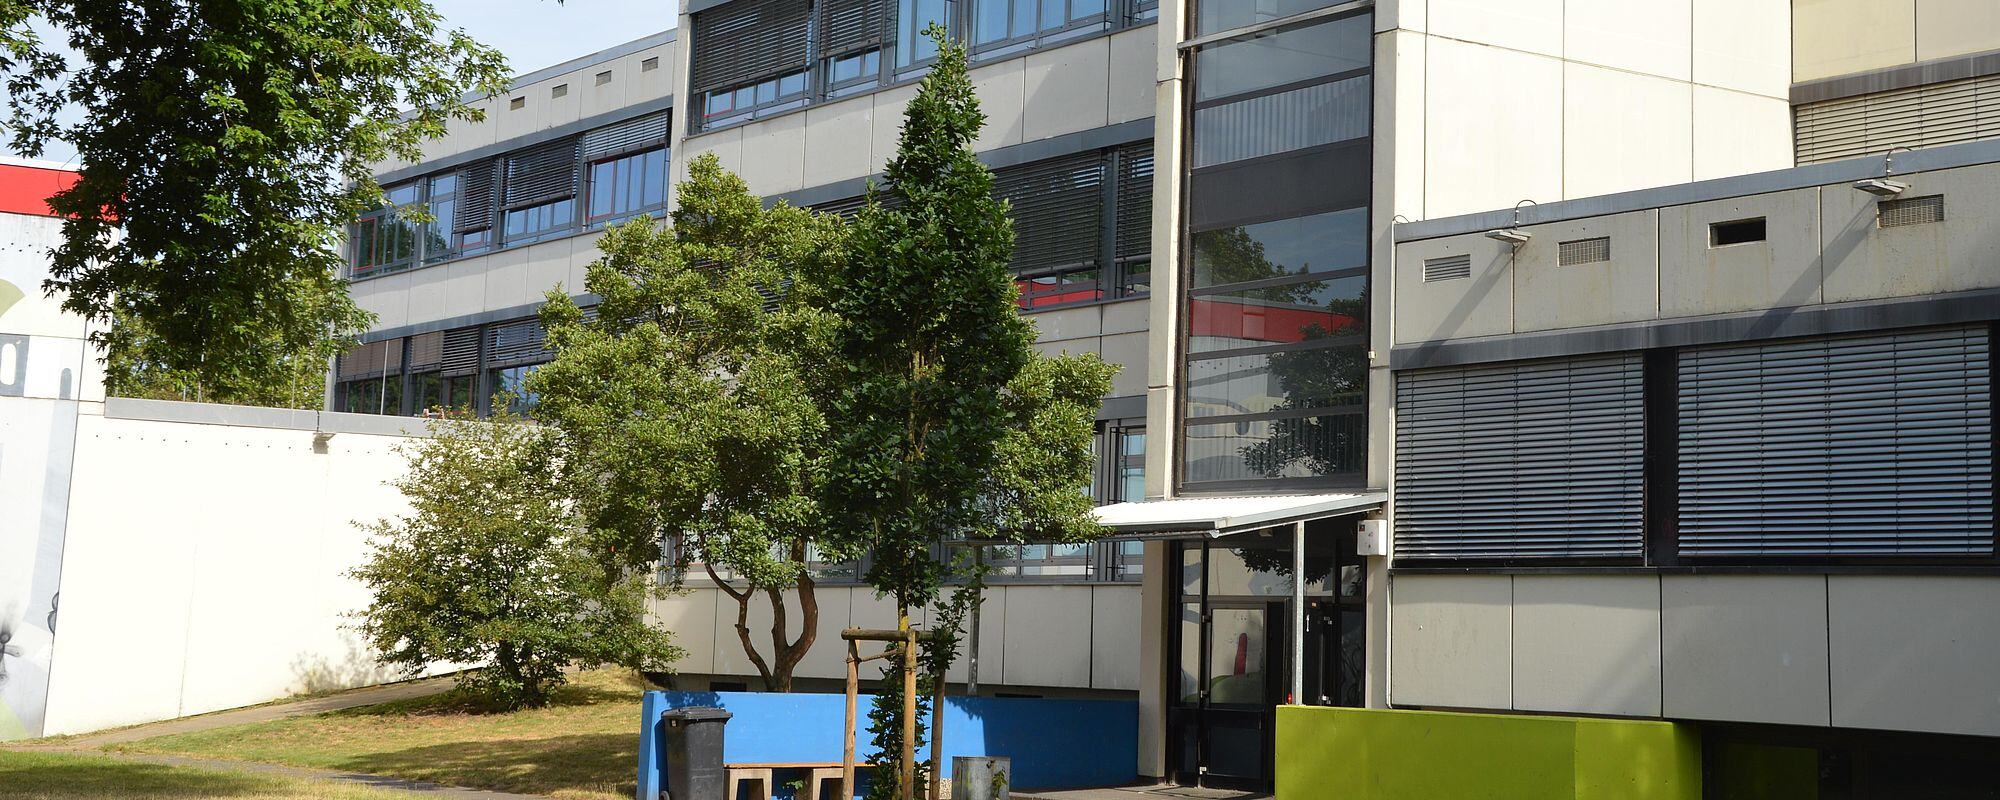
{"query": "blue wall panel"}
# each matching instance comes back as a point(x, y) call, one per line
point(1054, 743)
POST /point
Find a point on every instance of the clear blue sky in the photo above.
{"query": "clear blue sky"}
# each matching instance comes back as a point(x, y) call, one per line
point(535, 33)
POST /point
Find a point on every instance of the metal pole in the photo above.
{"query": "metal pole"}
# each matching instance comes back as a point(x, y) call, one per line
point(1297, 696)
point(972, 651)
point(847, 733)
point(937, 733)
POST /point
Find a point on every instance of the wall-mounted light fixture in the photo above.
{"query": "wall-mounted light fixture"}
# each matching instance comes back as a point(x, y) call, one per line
point(1882, 187)
point(1512, 236)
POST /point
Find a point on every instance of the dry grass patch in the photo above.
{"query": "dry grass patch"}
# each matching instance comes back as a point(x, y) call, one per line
point(582, 747)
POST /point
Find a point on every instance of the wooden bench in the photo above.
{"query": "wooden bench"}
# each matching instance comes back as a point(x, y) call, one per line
point(817, 773)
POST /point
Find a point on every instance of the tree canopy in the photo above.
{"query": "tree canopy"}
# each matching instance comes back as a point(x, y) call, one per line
point(690, 405)
point(223, 146)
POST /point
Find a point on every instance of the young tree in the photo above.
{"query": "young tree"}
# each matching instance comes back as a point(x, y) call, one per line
point(224, 146)
point(690, 408)
point(949, 426)
point(489, 568)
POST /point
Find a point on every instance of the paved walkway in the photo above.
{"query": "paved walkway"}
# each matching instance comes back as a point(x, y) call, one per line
point(1144, 793)
point(93, 743)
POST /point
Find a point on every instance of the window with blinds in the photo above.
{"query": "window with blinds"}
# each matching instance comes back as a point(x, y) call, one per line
point(1877, 445)
point(460, 354)
point(1133, 249)
point(542, 174)
point(476, 202)
point(517, 343)
point(847, 26)
point(747, 41)
point(1522, 461)
point(1058, 210)
point(630, 136)
point(371, 360)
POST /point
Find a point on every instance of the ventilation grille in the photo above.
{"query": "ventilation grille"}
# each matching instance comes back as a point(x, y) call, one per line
point(1536, 460)
point(845, 209)
point(1584, 251)
point(1878, 445)
point(1910, 211)
point(1921, 116)
point(1447, 268)
point(634, 134)
point(461, 352)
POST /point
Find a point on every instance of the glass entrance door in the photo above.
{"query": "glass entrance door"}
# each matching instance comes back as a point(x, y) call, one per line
point(1231, 647)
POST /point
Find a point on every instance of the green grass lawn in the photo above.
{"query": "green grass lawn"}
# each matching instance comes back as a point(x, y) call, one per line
point(583, 747)
point(65, 776)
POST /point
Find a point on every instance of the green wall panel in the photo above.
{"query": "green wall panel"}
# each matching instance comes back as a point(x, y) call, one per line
point(1374, 754)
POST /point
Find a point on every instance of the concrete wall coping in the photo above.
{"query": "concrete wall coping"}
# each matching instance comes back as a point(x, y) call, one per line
point(257, 417)
point(1832, 172)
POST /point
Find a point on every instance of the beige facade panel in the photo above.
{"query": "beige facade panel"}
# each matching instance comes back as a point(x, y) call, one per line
point(1131, 84)
point(1698, 275)
point(773, 159)
point(1587, 644)
point(691, 618)
point(1048, 640)
point(1114, 637)
point(1744, 47)
point(1836, 37)
point(1947, 28)
point(1915, 653)
point(992, 635)
point(1489, 149)
point(1532, 26)
point(1067, 89)
point(1606, 150)
point(1738, 133)
point(1002, 88)
point(1479, 304)
point(1451, 641)
point(1866, 260)
point(1651, 38)
point(1549, 293)
point(1128, 351)
point(387, 297)
point(839, 141)
point(1744, 648)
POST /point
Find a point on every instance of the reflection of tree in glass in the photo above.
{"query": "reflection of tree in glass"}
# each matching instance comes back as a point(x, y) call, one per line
point(1335, 376)
point(1279, 562)
point(1231, 255)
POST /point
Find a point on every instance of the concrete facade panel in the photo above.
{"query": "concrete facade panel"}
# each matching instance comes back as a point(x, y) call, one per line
point(548, 267)
point(465, 286)
point(1478, 305)
point(427, 291)
point(1047, 637)
point(1587, 644)
point(1114, 637)
point(1488, 149)
point(1067, 89)
point(1068, 323)
point(1002, 91)
point(773, 160)
point(1783, 270)
point(1866, 261)
point(1128, 351)
point(1743, 46)
point(1451, 641)
point(726, 144)
point(1126, 317)
point(1836, 37)
point(839, 141)
point(992, 634)
point(1534, 26)
point(890, 106)
point(1607, 148)
point(387, 297)
point(1651, 38)
point(1737, 133)
point(1548, 295)
point(1744, 648)
point(1915, 653)
point(691, 617)
point(1131, 84)
point(1948, 28)
point(507, 273)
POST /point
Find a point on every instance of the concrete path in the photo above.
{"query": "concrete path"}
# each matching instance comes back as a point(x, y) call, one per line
point(1144, 793)
point(92, 744)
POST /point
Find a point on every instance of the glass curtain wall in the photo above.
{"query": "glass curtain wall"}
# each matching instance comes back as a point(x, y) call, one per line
point(1276, 290)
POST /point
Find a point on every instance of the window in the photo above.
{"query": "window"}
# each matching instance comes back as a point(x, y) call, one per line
point(383, 241)
point(649, 64)
point(559, 90)
point(1276, 376)
point(370, 378)
point(472, 225)
point(628, 185)
point(517, 104)
point(510, 390)
point(1059, 207)
point(750, 55)
point(1129, 465)
point(1213, 16)
point(1003, 22)
point(434, 395)
point(852, 34)
point(540, 192)
point(1042, 560)
point(603, 77)
point(912, 17)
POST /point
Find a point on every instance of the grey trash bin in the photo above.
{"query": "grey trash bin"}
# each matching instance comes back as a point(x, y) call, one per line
point(694, 753)
point(981, 777)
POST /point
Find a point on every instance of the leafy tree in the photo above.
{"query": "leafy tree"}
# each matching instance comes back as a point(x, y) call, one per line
point(224, 145)
point(690, 407)
point(279, 378)
point(948, 425)
point(489, 568)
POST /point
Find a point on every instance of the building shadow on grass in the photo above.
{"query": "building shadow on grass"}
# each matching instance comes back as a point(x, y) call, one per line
point(602, 762)
point(38, 775)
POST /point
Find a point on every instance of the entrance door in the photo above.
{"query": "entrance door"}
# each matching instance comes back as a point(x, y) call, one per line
point(1231, 647)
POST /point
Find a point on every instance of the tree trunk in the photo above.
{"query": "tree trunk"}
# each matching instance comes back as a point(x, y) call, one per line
point(742, 599)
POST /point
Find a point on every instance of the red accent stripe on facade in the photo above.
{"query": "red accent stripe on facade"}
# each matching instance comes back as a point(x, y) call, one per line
point(26, 190)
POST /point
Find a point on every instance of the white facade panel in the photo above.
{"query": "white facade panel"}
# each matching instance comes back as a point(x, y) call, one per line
point(1744, 648)
point(1488, 149)
point(1067, 89)
point(1587, 644)
point(1651, 38)
point(1623, 131)
point(1451, 640)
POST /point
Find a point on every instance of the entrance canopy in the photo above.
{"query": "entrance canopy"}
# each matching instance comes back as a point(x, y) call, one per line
point(1220, 516)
